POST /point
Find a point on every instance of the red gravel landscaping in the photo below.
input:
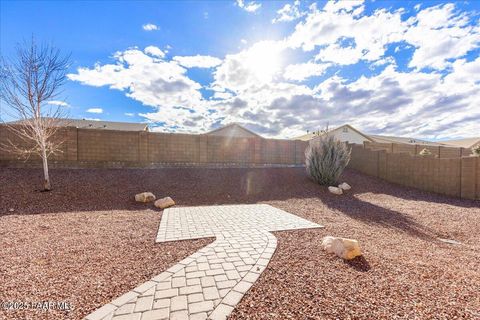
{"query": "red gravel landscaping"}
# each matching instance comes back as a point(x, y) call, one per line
point(87, 242)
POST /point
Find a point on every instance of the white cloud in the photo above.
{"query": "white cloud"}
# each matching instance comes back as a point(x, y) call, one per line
point(261, 88)
point(197, 61)
point(150, 27)
point(411, 104)
point(368, 34)
point(58, 103)
point(341, 55)
point(336, 6)
point(289, 12)
point(440, 33)
point(95, 110)
point(256, 65)
point(92, 119)
point(249, 6)
point(382, 62)
point(154, 82)
point(129, 114)
point(154, 51)
point(302, 71)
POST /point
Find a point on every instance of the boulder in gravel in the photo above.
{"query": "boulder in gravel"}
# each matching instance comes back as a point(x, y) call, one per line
point(335, 190)
point(344, 248)
point(164, 203)
point(344, 186)
point(145, 197)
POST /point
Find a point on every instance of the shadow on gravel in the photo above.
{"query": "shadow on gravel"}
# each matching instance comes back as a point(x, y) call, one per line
point(379, 186)
point(114, 189)
point(77, 190)
point(372, 214)
point(359, 264)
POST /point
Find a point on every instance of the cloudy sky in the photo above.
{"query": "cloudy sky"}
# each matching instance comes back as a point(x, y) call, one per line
point(278, 67)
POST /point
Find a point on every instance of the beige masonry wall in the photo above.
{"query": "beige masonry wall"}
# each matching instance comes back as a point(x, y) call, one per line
point(456, 176)
point(109, 148)
point(414, 149)
point(452, 175)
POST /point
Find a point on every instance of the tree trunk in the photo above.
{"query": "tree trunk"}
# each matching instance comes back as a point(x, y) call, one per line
point(47, 186)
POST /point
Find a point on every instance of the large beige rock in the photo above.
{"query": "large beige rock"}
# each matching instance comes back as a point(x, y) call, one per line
point(344, 186)
point(344, 248)
point(164, 203)
point(145, 197)
point(335, 190)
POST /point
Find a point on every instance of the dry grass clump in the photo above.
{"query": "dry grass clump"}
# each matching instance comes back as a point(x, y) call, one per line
point(326, 158)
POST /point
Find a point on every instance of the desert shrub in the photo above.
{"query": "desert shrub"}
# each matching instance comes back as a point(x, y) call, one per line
point(326, 158)
point(476, 150)
point(425, 152)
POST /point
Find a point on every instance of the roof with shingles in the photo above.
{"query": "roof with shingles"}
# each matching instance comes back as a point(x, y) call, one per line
point(465, 143)
point(405, 140)
point(232, 129)
point(310, 136)
point(96, 124)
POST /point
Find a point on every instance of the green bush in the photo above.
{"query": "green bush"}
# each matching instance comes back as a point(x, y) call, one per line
point(326, 158)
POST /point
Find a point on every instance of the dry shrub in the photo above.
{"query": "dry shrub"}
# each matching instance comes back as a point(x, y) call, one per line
point(326, 158)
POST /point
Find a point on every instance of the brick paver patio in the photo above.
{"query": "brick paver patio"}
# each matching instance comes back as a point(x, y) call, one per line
point(212, 281)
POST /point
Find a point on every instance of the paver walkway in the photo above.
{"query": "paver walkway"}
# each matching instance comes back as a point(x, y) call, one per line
point(212, 281)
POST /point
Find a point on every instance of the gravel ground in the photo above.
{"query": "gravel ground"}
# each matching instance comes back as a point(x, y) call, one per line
point(87, 242)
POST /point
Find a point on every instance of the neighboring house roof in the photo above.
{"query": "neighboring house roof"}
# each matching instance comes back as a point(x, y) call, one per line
point(310, 136)
point(105, 125)
point(463, 143)
point(307, 137)
point(405, 140)
point(233, 130)
point(355, 130)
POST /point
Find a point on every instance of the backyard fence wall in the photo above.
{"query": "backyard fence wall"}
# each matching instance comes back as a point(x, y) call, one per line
point(451, 175)
point(109, 148)
point(414, 149)
point(456, 176)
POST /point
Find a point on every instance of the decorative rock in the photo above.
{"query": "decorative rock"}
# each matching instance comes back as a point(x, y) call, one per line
point(450, 241)
point(344, 248)
point(344, 186)
point(164, 203)
point(145, 197)
point(335, 190)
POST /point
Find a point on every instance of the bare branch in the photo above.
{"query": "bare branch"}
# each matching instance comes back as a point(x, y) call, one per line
point(27, 82)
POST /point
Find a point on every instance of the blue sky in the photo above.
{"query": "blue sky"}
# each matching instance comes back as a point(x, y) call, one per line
point(278, 67)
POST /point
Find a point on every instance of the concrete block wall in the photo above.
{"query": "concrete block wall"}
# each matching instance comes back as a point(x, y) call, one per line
point(470, 177)
point(454, 176)
point(365, 160)
point(414, 149)
point(65, 138)
point(177, 148)
point(451, 152)
point(231, 150)
point(104, 148)
point(103, 145)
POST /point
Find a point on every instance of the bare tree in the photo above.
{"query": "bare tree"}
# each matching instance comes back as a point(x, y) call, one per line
point(27, 83)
